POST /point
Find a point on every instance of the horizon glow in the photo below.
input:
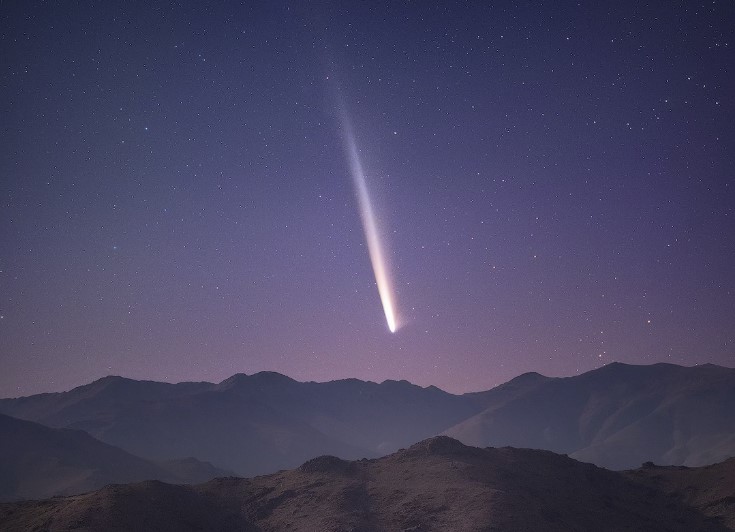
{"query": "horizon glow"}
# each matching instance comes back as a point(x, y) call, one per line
point(370, 227)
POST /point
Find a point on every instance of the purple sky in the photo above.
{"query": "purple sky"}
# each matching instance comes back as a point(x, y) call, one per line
point(554, 182)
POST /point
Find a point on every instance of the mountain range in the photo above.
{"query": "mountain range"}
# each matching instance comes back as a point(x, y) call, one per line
point(617, 417)
point(437, 484)
point(249, 424)
point(39, 462)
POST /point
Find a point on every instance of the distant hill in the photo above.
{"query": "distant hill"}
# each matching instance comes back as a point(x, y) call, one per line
point(437, 484)
point(39, 462)
point(249, 424)
point(618, 416)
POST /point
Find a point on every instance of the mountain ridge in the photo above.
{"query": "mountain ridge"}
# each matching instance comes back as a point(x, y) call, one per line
point(435, 484)
point(38, 461)
point(617, 416)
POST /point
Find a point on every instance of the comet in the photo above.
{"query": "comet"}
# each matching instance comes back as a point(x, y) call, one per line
point(375, 244)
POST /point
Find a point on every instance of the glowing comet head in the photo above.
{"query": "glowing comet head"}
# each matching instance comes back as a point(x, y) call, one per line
point(389, 317)
point(370, 227)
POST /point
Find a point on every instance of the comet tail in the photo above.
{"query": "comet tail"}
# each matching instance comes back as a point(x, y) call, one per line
point(370, 226)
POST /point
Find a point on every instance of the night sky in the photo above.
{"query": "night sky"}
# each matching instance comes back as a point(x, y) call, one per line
point(554, 184)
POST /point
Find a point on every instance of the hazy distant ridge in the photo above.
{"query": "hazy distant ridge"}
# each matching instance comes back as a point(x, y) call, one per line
point(250, 424)
point(618, 416)
point(38, 462)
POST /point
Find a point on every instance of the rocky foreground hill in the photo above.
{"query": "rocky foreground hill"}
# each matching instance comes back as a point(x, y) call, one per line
point(437, 484)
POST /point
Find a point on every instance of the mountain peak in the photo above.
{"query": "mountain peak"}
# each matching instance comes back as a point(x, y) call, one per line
point(439, 445)
point(262, 377)
point(530, 376)
point(328, 464)
point(272, 375)
point(393, 382)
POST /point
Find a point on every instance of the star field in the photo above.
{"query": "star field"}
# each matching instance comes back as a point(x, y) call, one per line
point(555, 181)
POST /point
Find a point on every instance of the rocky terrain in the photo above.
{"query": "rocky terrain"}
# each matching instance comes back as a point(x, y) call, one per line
point(709, 489)
point(437, 484)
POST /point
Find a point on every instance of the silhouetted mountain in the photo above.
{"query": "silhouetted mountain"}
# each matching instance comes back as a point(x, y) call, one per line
point(509, 390)
point(38, 462)
point(617, 416)
point(438, 484)
point(249, 424)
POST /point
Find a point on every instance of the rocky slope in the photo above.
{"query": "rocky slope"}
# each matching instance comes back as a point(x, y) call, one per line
point(437, 484)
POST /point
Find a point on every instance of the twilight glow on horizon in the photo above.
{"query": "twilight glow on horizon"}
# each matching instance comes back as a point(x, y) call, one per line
point(538, 186)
